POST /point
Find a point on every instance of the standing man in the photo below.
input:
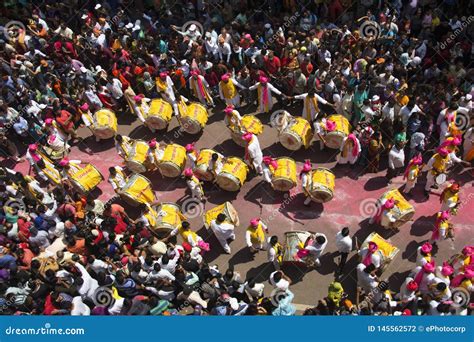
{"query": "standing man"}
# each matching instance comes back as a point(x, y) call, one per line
point(264, 92)
point(253, 152)
point(396, 159)
point(200, 88)
point(344, 247)
point(311, 102)
point(228, 92)
point(316, 248)
point(165, 87)
point(223, 231)
point(255, 235)
point(194, 185)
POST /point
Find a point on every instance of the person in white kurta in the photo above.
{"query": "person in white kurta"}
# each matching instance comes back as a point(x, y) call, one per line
point(350, 150)
point(269, 166)
point(412, 172)
point(33, 158)
point(194, 185)
point(164, 86)
point(223, 231)
point(117, 178)
point(141, 109)
point(264, 92)
point(311, 102)
point(200, 88)
point(228, 91)
point(233, 119)
point(445, 118)
point(191, 155)
point(254, 152)
point(305, 176)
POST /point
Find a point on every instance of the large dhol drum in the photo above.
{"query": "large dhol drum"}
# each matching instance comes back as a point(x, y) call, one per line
point(138, 190)
point(85, 179)
point(227, 209)
point(284, 177)
point(169, 218)
point(233, 174)
point(202, 165)
point(322, 185)
point(173, 162)
point(105, 124)
point(335, 138)
point(159, 115)
point(137, 157)
point(386, 250)
point(297, 134)
point(194, 119)
point(250, 123)
point(294, 241)
point(403, 211)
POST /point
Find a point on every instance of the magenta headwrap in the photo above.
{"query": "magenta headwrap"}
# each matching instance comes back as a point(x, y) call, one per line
point(426, 268)
point(468, 274)
point(417, 160)
point(355, 149)
point(371, 249)
point(269, 161)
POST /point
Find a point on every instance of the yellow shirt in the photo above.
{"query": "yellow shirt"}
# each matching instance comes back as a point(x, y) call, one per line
point(228, 89)
point(257, 235)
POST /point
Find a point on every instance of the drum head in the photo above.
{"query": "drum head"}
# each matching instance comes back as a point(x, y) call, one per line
point(440, 179)
point(190, 126)
point(234, 216)
point(104, 132)
point(78, 186)
point(129, 199)
point(404, 218)
point(169, 169)
point(135, 166)
point(334, 140)
point(290, 140)
point(203, 175)
point(282, 184)
point(228, 182)
point(321, 195)
point(156, 122)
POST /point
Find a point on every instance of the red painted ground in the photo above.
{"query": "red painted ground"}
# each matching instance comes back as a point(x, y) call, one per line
point(286, 212)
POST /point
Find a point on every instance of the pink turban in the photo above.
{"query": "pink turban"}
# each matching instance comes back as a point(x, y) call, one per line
point(389, 204)
point(254, 222)
point(444, 215)
point(189, 147)
point(33, 147)
point(443, 151)
point(138, 98)
point(372, 246)
point(248, 36)
point(412, 286)
point(247, 137)
point(64, 162)
point(152, 143)
point(426, 248)
point(194, 72)
point(188, 173)
point(228, 109)
point(330, 125)
point(307, 166)
point(447, 269)
point(263, 79)
point(468, 250)
point(48, 121)
point(225, 77)
point(84, 107)
point(270, 162)
point(163, 74)
point(429, 267)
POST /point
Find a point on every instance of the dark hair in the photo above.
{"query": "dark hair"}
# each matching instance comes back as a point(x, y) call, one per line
point(320, 239)
point(185, 224)
point(441, 286)
point(277, 276)
point(370, 268)
point(345, 231)
point(221, 217)
point(273, 240)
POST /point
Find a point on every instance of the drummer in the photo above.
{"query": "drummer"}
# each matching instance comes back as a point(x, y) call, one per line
point(155, 153)
point(369, 255)
point(165, 87)
point(311, 104)
point(321, 128)
point(216, 164)
point(264, 93)
point(253, 152)
point(316, 247)
point(117, 178)
point(305, 176)
point(142, 109)
point(68, 164)
point(148, 217)
point(194, 185)
point(423, 254)
point(227, 91)
point(189, 236)
point(123, 144)
point(200, 88)
point(411, 173)
point(274, 252)
point(269, 167)
point(449, 198)
point(223, 231)
point(350, 150)
point(33, 158)
point(441, 226)
point(232, 119)
point(384, 215)
point(255, 235)
point(191, 155)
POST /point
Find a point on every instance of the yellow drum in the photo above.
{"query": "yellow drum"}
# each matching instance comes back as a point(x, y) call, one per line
point(322, 185)
point(195, 118)
point(159, 115)
point(233, 174)
point(294, 241)
point(105, 124)
point(50, 170)
point(297, 134)
point(403, 211)
point(335, 138)
point(169, 218)
point(227, 209)
point(284, 177)
point(85, 179)
point(202, 165)
point(137, 190)
point(386, 250)
point(250, 123)
point(137, 156)
point(174, 160)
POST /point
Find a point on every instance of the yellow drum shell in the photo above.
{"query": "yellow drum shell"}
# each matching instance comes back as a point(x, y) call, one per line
point(173, 162)
point(386, 251)
point(402, 210)
point(171, 219)
point(322, 185)
point(202, 164)
point(297, 134)
point(335, 138)
point(137, 190)
point(85, 179)
point(233, 174)
point(105, 124)
point(284, 177)
point(137, 157)
point(294, 241)
point(159, 115)
point(227, 209)
point(195, 118)
point(250, 123)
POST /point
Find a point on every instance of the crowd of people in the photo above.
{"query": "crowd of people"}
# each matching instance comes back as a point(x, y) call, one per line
point(405, 87)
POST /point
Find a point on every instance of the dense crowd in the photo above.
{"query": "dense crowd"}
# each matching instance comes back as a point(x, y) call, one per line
point(405, 87)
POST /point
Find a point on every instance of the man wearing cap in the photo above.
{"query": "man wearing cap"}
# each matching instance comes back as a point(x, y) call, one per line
point(228, 92)
point(233, 119)
point(411, 173)
point(200, 88)
point(194, 185)
point(155, 153)
point(165, 87)
point(423, 254)
point(33, 157)
point(385, 216)
point(264, 93)
point(191, 155)
point(441, 226)
point(369, 255)
point(223, 231)
point(408, 293)
point(449, 198)
point(253, 152)
point(255, 235)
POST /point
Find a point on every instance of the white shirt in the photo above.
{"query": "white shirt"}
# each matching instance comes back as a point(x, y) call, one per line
point(283, 284)
point(223, 230)
point(343, 243)
point(365, 280)
point(405, 113)
point(79, 308)
point(396, 158)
